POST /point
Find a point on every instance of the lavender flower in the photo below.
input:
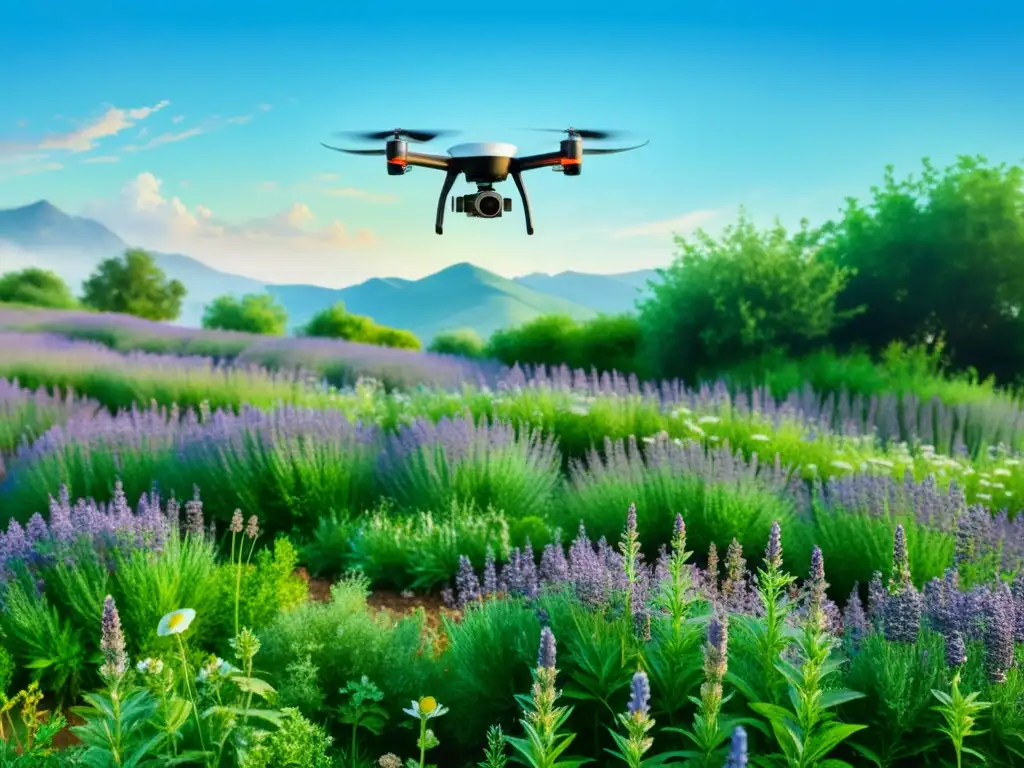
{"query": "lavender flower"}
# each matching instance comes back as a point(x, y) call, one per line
point(546, 653)
point(816, 587)
point(900, 559)
point(467, 586)
point(194, 516)
point(876, 599)
point(901, 616)
point(252, 529)
point(490, 585)
point(710, 580)
point(854, 618)
point(237, 522)
point(999, 626)
point(773, 550)
point(679, 534)
point(554, 567)
point(639, 696)
point(737, 749)
point(112, 643)
point(956, 649)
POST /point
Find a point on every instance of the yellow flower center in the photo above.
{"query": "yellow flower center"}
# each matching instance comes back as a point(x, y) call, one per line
point(175, 621)
point(428, 704)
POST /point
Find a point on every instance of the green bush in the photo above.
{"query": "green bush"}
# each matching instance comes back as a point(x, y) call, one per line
point(36, 287)
point(336, 322)
point(253, 313)
point(465, 343)
point(133, 285)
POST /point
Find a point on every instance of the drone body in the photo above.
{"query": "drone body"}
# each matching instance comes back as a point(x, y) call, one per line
point(483, 164)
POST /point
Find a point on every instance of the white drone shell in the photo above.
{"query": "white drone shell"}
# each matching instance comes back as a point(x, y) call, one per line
point(484, 149)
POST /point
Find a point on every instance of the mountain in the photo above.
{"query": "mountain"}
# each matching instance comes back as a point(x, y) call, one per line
point(605, 293)
point(460, 296)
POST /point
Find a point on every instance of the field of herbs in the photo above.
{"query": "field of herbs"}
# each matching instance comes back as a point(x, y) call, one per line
point(605, 573)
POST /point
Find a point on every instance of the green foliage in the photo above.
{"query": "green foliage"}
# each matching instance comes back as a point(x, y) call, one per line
point(960, 714)
point(464, 342)
point(336, 322)
point(744, 295)
point(36, 288)
point(133, 285)
point(939, 255)
point(298, 743)
point(606, 343)
point(28, 741)
point(253, 313)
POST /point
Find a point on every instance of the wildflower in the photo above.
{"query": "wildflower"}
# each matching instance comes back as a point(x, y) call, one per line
point(426, 708)
point(467, 586)
point(842, 465)
point(390, 760)
point(112, 643)
point(956, 650)
point(816, 591)
point(252, 530)
point(854, 618)
point(546, 653)
point(876, 599)
point(998, 636)
point(640, 696)
point(236, 522)
point(176, 622)
point(737, 749)
point(773, 551)
point(150, 667)
point(760, 438)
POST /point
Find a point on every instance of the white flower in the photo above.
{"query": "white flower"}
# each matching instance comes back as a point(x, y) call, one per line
point(760, 438)
point(1002, 472)
point(985, 496)
point(812, 467)
point(1011, 462)
point(176, 622)
point(426, 708)
point(578, 410)
point(842, 465)
point(708, 420)
point(881, 463)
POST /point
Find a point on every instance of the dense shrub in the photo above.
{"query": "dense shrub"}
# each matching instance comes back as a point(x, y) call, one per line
point(37, 288)
point(133, 285)
point(336, 322)
point(465, 342)
point(253, 313)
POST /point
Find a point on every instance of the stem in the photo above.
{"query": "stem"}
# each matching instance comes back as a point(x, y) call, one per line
point(171, 734)
point(238, 577)
point(353, 753)
point(423, 740)
point(188, 689)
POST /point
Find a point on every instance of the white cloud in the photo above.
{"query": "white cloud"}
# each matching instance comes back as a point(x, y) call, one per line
point(239, 119)
point(177, 119)
point(361, 194)
point(102, 159)
point(112, 122)
point(164, 138)
point(264, 107)
point(683, 225)
point(142, 214)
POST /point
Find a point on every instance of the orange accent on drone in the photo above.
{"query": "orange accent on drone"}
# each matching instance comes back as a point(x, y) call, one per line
point(570, 161)
point(398, 161)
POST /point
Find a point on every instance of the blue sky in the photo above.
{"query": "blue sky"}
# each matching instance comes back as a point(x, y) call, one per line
point(206, 121)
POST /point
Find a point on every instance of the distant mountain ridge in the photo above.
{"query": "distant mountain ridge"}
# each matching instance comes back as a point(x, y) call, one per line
point(462, 296)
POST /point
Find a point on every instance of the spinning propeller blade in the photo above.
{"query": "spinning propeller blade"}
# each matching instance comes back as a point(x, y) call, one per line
point(395, 133)
point(379, 152)
point(581, 132)
point(589, 151)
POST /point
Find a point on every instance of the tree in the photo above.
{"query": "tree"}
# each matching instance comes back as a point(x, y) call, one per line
point(36, 287)
point(745, 295)
point(464, 342)
point(544, 340)
point(335, 322)
point(134, 285)
point(254, 313)
point(937, 256)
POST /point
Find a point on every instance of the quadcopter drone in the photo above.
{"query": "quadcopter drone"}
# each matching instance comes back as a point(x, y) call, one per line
point(484, 164)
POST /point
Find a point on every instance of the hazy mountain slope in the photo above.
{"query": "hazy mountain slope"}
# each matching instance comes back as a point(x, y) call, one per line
point(605, 293)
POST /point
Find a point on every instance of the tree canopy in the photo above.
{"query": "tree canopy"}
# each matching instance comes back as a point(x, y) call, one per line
point(134, 285)
point(336, 322)
point(253, 313)
point(36, 287)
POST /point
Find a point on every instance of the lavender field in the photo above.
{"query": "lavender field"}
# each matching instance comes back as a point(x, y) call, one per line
point(145, 476)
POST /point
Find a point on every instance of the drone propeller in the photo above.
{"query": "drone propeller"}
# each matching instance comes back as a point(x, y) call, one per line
point(581, 132)
point(356, 151)
point(395, 133)
point(589, 151)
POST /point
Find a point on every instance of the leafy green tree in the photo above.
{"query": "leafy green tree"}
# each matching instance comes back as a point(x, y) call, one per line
point(464, 342)
point(746, 294)
point(545, 340)
point(36, 287)
point(336, 322)
point(610, 343)
point(941, 255)
point(253, 313)
point(134, 285)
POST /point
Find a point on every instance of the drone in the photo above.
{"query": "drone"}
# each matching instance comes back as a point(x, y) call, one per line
point(484, 164)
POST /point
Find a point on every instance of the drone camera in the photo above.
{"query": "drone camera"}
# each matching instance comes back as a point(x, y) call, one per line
point(486, 204)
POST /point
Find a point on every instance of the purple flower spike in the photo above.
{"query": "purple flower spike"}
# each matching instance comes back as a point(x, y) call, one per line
point(112, 642)
point(737, 749)
point(546, 654)
point(640, 695)
point(773, 551)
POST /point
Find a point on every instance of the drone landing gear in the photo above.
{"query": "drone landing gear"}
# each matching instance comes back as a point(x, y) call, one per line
point(517, 177)
point(446, 188)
